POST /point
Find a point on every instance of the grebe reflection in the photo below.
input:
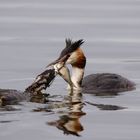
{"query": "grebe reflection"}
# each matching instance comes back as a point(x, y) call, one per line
point(69, 122)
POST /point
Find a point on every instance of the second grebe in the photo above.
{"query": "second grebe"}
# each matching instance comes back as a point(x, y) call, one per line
point(94, 83)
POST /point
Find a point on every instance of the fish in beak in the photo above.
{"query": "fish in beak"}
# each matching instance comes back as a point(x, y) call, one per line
point(66, 53)
point(62, 69)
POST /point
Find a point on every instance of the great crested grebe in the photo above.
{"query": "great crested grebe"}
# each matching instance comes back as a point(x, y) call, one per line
point(94, 83)
point(36, 91)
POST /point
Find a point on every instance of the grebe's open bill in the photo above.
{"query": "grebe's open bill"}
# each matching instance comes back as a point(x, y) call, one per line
point(66, 52)
point(61, 60)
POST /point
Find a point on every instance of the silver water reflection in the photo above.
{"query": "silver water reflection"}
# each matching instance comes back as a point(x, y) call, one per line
point(69, 121)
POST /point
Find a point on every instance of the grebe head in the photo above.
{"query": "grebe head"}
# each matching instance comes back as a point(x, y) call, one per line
point(70, 49)
point(78, 61)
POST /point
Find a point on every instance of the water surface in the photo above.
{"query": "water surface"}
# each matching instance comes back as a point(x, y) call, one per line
point(32, 33)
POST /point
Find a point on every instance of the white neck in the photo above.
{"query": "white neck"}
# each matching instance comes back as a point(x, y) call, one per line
point(75, 80)
point(77, 77)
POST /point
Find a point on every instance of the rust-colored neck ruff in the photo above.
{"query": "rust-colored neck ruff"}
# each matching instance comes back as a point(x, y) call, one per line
point(80, 59)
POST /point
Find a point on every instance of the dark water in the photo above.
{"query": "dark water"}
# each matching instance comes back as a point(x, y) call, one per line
point(32, 34)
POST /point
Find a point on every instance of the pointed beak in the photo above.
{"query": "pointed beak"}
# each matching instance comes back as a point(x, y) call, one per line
point(60, 60)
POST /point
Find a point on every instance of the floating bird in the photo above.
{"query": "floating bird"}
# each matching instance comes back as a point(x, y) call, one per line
point(35, 92)
point(44, 80)
point(93, 83)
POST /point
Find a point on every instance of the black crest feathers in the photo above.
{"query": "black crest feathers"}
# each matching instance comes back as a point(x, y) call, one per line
point(71, 47)
point(66, 52)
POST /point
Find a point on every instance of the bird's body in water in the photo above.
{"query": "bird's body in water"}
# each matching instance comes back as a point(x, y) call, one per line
point(34, 92)
point(93, 83)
